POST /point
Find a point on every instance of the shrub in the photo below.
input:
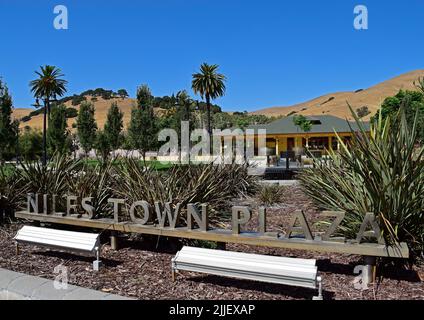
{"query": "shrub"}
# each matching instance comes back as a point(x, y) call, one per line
point(271, 194)
point(25, 118)
point(52, 179)
point(380, 172)
point(129, 179)
point(94, 181)
point(362, 112)
point(36, 112)
point(12, 191)
point(210, 184)
point(78, 99)
point(328, 100)
point(71, 113)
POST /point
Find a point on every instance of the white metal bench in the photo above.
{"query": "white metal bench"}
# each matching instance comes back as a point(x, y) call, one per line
point(280, 270)
point(75, 242)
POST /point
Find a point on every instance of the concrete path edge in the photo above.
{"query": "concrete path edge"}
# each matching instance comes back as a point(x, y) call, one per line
point(19, 286)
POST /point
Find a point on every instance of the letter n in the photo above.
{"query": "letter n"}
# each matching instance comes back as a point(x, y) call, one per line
point(34, 202)
point(192, 212)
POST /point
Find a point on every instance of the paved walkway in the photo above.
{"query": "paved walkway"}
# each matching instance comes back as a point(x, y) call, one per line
point(19, 286)
point(281, 182)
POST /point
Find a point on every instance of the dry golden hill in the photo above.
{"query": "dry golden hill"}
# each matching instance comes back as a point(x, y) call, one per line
point(102, 107)
point(335, 103)
point(332, 104)
point(21, 112)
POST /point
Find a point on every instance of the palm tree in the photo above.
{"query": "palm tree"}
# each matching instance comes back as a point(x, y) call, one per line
point(419, 84)
point(210, 85)
point(47, 87)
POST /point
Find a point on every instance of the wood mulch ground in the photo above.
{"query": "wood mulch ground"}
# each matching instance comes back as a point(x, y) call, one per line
point(142, 267)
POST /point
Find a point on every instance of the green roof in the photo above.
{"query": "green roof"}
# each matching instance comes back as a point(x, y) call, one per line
point(320, 124)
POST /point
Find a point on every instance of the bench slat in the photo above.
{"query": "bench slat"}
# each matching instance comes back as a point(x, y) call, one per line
point(65, 233)
point(289, 271)
point(58, 244)
point(253, 266)
point(64, 238)
point(270, 278)
point(78, 241)
point(245, 256)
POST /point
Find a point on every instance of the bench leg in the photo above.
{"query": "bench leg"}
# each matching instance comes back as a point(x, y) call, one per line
point(173, 275)
point(97, 264)
point(221, 245)
point(114, 240)
point(319, 282)
point(369, 272)
point(17, 248)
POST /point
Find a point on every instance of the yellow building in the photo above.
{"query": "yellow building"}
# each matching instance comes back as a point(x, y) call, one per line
point(283, 135)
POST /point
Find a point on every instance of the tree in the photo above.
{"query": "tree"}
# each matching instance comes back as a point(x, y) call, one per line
point(86, 126)
point(182, 112)
point(123, 93)
point(102, 145)
point(304, 124)
point(73, 141)
point(57, 132)
point(185, 104)
point(8, 127)
point(210, 85)
point(412, 102)
point(142, 127)
point(113, 126)
point(47, 87)
point(30, 144)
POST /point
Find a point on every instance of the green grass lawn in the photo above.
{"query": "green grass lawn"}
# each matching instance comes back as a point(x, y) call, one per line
point(154, 164)
point(7, 169)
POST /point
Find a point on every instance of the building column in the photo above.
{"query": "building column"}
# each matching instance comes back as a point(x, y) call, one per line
point(296, 142)
point(284, 144)
point(330, 143)
point(277, 147)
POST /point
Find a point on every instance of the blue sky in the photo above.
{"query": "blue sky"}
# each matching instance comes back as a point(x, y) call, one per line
point(273, 52)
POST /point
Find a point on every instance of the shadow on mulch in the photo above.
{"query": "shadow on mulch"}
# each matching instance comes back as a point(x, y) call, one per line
point(73, 257)
point(152, 244)
point(325, 265)
point(393, 272)
point(279, 289)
